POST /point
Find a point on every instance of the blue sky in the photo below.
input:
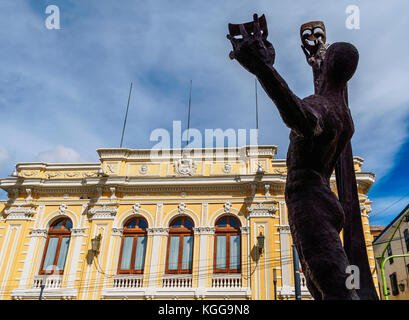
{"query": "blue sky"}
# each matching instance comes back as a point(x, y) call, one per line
point(63, 92)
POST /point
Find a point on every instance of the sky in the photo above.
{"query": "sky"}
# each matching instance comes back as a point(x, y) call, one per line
point(63, 92)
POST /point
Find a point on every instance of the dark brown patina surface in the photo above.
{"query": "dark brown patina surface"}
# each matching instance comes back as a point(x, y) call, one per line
point(321, 128)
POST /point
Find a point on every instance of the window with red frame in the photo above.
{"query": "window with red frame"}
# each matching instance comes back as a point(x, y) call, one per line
point(56, 247)
point(180, 246)
point(133, 247)
point(227, 257)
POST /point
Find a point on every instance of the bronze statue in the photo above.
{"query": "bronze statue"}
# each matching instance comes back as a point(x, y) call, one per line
point(321, 129)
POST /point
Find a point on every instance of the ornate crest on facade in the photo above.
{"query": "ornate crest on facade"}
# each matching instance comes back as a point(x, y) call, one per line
point(227, 167)
point(185, 167)
point(143, 169)
point(227, 207)
point(136, 208)
point(182, 208)
point(63, 208)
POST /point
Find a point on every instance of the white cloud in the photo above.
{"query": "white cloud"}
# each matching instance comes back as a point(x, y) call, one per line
point(60, 154)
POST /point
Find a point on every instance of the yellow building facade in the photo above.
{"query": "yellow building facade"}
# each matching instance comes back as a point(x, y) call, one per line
point(144, 224)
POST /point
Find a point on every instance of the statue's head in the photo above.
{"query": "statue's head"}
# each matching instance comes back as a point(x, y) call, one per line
point(340, 63)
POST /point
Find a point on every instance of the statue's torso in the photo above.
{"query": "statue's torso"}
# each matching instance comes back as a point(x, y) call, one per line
point(311, 160)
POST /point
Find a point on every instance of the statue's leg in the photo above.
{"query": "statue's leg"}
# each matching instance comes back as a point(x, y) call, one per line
point(316, 294)
point(316, 218)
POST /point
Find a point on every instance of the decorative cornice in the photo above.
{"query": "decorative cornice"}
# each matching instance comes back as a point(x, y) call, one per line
point(19, 213)
point(78, 232)
point(36, 232)
point(280, 171)
point(259, 210)
point(102, 213)
point(254, 151)
point(158, 231)
point(365, 206)
point(204, 230)
point(117, 231)
point(195, 183)
point(245, 230)
point(284, 229)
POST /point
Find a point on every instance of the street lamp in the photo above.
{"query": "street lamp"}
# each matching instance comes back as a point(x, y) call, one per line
point(95, 244)
point(260, 242)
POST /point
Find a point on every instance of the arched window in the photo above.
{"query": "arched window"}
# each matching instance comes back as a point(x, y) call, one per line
point(180, 246)
point(133, 248)
point(227, 245)
point(56, 247)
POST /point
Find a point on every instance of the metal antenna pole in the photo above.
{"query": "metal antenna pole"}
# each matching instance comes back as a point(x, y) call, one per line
point(275, 283)
point(188, 117)
point(255, 87)
point(126, 116)
point(296, 266)
point(41, 292)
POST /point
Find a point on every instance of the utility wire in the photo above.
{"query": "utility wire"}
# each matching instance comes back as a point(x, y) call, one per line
point(390, 206)
point(284, 260)
point(94, 283)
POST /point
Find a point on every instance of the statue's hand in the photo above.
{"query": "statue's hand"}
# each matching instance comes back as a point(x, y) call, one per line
point(252, 51)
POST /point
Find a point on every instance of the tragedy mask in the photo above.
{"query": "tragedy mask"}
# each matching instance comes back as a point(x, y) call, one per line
point(312, 35)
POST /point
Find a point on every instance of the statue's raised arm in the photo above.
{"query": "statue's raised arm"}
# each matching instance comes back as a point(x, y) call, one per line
point(256, 54)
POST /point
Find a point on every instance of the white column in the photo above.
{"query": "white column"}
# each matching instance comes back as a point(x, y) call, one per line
point(76, 238)
point(28, 263)
point(204, 233)
point(154, 268)
point(12, 236)
point(285, 249)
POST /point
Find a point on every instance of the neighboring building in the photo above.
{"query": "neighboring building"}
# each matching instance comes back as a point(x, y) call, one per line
point(396, 269)
point(376, 231)
point(163, 226)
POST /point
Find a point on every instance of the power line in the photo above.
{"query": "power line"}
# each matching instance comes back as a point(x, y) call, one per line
point(96, 283)
point(208, 271)
point(382, 211)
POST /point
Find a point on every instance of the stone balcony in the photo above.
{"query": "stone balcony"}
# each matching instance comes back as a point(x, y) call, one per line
point(175, 286)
